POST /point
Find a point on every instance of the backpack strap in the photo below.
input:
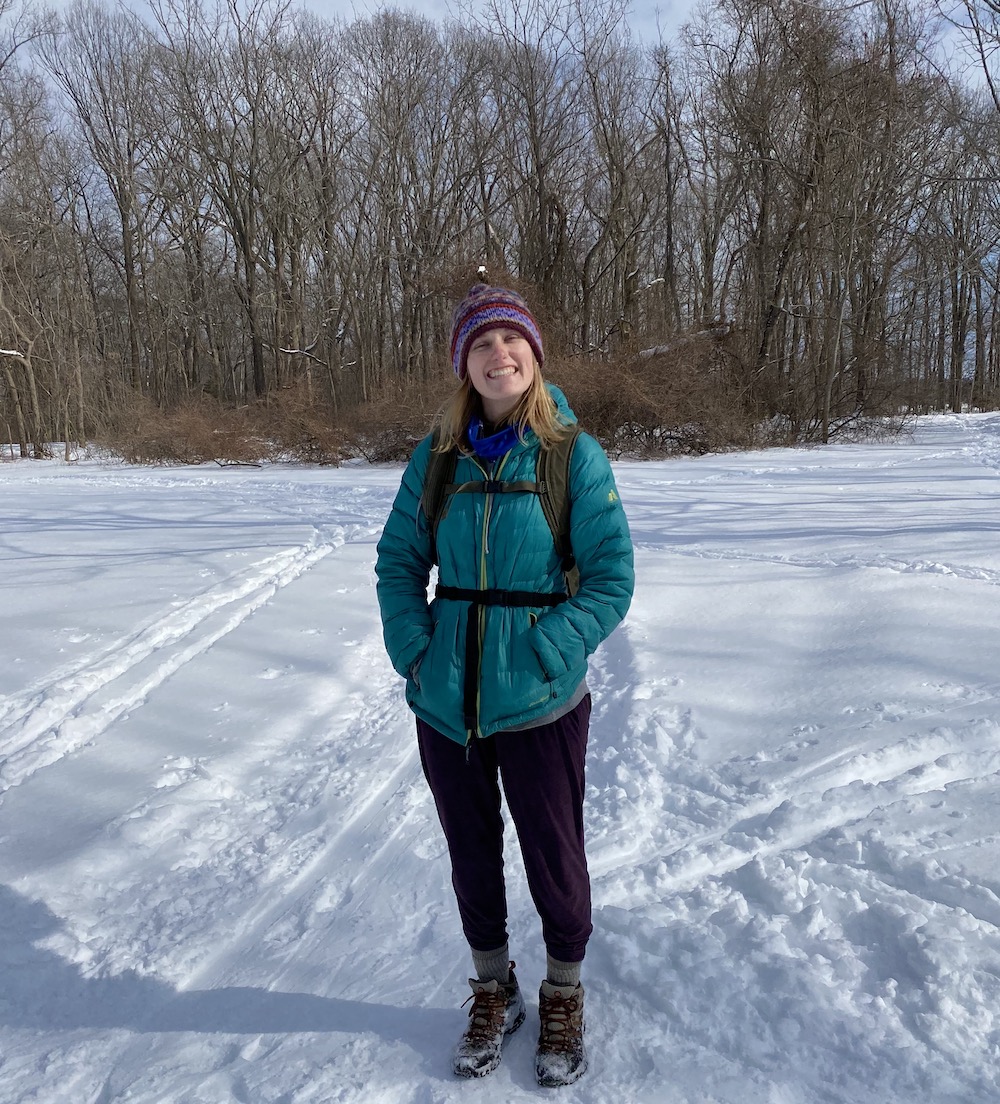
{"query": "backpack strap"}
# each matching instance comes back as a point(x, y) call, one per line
point(553, 472)
point(438, 480)
point(495, 486)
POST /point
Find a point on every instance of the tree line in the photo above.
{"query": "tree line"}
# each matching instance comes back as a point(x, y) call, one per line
point(236, 199)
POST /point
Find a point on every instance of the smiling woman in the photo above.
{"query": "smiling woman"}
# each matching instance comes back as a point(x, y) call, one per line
point(496, 665)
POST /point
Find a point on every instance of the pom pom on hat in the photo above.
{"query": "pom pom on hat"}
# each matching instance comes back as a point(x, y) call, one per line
point(487, 308)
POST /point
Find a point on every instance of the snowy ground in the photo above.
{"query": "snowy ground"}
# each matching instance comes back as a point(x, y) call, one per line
point(221, 875)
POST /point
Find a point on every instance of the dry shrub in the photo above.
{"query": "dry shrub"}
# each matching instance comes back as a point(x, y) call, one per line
point(386, 429)
point(680, 400)
point(195, 431)
point(301, 429)
point(290, 426)
point(677, 400)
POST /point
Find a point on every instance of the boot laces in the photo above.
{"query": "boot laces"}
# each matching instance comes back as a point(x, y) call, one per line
point(558, 1023)
point(486, 1014)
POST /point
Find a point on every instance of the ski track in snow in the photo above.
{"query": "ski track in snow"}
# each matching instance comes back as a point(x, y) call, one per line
point(779, 925)
point(277, 862)
point(835, 563)
point(784, 860)
point(73, 707)
point(294, 910)
point(812, 799)
point(785, 856)
point(795, 914)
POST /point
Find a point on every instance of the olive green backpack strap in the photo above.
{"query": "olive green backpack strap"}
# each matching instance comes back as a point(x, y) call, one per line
point(440, 473)
point(552, 472)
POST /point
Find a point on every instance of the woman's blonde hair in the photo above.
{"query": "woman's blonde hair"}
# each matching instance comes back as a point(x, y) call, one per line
point(536, 411)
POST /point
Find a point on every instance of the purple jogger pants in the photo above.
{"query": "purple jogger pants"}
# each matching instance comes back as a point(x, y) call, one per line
point(542, 770)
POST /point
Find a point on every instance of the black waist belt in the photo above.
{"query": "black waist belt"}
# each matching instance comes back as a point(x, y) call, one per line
point(473, 658)
point(499, 597)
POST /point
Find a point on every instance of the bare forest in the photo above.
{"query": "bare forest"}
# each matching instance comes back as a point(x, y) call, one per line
point(232, 229)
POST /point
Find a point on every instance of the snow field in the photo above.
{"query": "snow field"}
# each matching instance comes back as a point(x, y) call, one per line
point(221, 877)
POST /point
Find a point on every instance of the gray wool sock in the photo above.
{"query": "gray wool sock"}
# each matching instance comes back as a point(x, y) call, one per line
point(492, 964)
point(562, 973)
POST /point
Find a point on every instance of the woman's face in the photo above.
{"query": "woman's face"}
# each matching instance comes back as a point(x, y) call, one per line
point(501, 367)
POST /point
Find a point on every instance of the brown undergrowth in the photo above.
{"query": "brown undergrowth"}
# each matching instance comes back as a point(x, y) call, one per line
point(676, 400)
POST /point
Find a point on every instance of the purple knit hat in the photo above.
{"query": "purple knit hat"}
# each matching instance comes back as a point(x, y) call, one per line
point(486, 308)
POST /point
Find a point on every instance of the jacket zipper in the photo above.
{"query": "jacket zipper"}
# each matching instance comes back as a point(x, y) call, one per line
point(483, 584)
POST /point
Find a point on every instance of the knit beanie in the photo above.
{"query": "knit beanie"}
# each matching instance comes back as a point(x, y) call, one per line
point(486, 308)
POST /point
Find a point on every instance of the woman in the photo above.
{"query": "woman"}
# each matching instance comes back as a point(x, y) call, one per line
point(496, 665)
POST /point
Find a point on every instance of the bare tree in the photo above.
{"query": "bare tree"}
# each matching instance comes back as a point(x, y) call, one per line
point(978, 22)
point(619, 198)
point(101, 62)
point(234, 201)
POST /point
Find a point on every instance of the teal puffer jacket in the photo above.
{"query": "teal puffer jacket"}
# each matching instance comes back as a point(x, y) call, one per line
point(531, 660)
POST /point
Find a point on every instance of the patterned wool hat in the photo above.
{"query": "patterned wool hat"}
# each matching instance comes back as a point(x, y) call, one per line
point(486, 308)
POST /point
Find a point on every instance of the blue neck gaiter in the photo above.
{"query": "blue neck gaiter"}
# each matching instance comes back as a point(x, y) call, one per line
point(493, 447)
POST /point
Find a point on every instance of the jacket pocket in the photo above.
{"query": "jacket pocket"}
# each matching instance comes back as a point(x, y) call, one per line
point(435, 678)
point(530, 682)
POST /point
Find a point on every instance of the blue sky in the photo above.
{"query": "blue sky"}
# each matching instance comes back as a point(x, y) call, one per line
point(646, 14)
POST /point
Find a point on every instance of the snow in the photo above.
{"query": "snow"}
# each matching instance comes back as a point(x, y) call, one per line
point(221, 878)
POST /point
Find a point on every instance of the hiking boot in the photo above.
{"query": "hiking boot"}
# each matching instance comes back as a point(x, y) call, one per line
point(497, 1011)
point(561, 1058)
